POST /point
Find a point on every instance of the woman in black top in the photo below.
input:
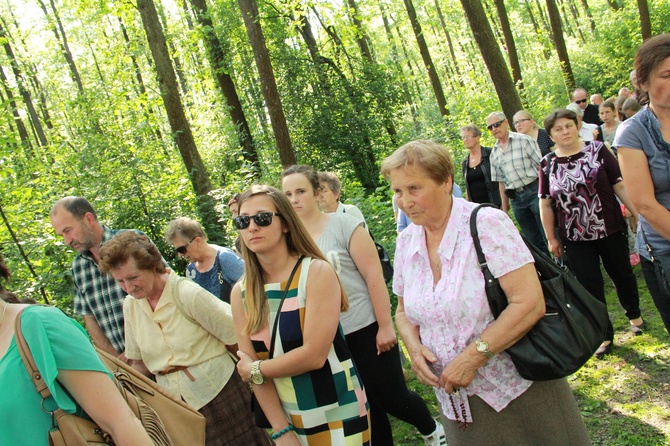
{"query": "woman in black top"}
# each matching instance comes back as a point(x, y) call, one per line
point(477, 169)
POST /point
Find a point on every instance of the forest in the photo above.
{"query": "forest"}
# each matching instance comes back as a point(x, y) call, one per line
point(154, 109)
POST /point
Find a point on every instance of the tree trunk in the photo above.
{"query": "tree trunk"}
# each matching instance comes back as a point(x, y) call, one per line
point(25, 93)
point(615, 4)
point(561, 49)
point(587, 11)
point(181, 129)
point(23, 132)
point(221, 73)
point(361, 38)
point(427, 60)
point(509, 42)
point(493, 58)
point(450, 44)
point(179, 70)
point(400, 73)
point(251, 17)
point(23, 254)
point(148, 111)
point(62, 41)
point(645, 21)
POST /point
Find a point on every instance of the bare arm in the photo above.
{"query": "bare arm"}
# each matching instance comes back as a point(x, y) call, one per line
point(98, 396)
point(635, 170)
point(364, 254)
point(266, 393)
point(420, 355)
point(99, 338)
point(525, 308)
point(322, 316)
point(621, 192)
point(549, 225)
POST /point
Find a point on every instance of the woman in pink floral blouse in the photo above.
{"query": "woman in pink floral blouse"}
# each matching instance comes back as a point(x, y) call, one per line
point(443, 315)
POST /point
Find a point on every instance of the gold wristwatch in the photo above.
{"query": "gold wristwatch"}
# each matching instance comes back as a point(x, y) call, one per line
point(482, 347)
point(256, 375)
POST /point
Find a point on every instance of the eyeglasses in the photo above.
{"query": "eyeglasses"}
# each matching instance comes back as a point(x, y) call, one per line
point(495, 125)
point(261, 219)
point(466, 137)
point(182, 249)
point(519, 121)
point(581, 101)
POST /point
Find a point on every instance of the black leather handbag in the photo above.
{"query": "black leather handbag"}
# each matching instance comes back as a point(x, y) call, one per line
point(572, 328)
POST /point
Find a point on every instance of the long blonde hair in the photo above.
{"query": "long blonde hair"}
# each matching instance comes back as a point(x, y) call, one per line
point(299, 243)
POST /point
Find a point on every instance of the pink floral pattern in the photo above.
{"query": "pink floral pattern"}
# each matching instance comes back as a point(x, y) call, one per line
point(454, 312)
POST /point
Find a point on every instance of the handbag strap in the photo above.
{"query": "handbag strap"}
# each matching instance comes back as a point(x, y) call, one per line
point(281, 302)
point(31, 365)
point(219, 270)
point(489, 278)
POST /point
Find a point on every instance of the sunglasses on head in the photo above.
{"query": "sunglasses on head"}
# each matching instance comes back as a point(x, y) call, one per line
point(261, 219)
point(581, 101)
point(182, 249)
point(495, 125)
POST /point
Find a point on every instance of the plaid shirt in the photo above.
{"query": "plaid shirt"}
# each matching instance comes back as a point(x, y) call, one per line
point(518, 164)
point(99, 295)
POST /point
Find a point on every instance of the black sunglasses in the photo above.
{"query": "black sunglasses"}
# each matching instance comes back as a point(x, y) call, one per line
point(581, 101)
point(261, 219)
point(182, 249)
point(495, 124)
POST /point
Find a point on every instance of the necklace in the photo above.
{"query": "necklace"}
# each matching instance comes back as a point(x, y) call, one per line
point(2, 318)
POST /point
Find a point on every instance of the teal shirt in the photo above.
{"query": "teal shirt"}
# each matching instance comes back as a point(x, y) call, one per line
point(57, 343)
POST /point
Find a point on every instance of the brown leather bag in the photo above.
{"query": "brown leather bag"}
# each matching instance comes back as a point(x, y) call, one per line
point(168, 421)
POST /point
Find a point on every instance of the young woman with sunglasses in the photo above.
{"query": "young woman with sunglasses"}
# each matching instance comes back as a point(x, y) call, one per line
point(213, 267)
point(367, 325)
point(286, 312)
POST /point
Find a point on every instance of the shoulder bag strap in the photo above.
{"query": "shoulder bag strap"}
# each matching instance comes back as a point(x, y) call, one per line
point(281, 302)
point(176, 297)
point(495, 300)
point(647, 245)
point(29, 360)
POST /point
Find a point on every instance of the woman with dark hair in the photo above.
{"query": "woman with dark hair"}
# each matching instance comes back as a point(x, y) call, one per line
point(213, 267)
point(181, 333)
point(286, 312)
point(70, 368)
point(579, 186)
point(643, 143)
point(476, 169)
point(368, 325)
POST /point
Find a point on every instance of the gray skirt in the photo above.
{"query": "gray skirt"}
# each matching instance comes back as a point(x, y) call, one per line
point(229, 418)
point(546, 414)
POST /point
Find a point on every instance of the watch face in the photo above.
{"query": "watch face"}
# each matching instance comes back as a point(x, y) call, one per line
point(257, 378)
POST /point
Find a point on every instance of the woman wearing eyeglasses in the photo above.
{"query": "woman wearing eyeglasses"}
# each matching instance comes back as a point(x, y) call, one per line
point(213, 267)
point(477, 169)
point(182, 334)
point(286, 312)
point(368, 326)
point(524, 123)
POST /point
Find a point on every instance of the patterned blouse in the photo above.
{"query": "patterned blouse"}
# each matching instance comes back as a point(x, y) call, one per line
point(452, 313)
point(581, 187)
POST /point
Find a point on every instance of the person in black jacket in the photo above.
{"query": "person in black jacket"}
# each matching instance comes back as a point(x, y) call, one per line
point(477, 169)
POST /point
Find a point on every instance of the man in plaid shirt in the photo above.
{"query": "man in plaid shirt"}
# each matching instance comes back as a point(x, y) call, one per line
point(515, 162)
point(97, 296)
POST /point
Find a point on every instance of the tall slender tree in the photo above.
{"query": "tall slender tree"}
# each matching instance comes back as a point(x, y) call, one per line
point(251, 17)
point(509, 43)
point(561, 48)
point(181, 129)
point(221, 72)
point(493, 58)
point(645, 20)
point(427, 59)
